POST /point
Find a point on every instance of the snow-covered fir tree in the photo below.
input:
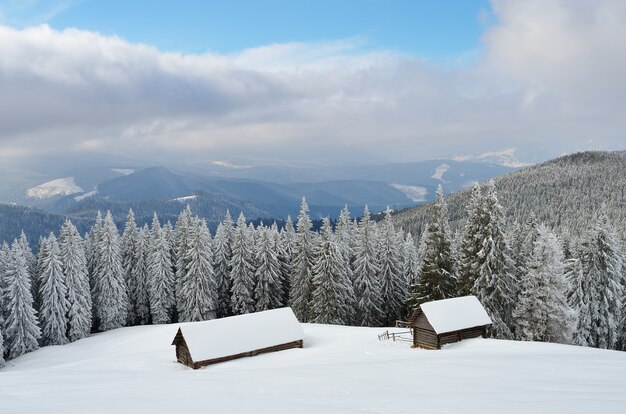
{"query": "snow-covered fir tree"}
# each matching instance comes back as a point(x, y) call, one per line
point(394, 288)
point(542, 312)
point(411, 263)
point(333, 295)
point(130, 241)
point(367, 283)
point(160, 275)
point(221, 265)
point(22, 331)
point(286, 242)
point(139, 289)
point(301, 283)
point(53, 293)
point(198, 288)
point(77, 282)
point(268, 290)
point(110, 295)
point(495, 286)
point(436, 279)
point(43, 251)
point(471, 243)
point(601, 285)
point(183, 228)
point(242, 269)
point(345, 232)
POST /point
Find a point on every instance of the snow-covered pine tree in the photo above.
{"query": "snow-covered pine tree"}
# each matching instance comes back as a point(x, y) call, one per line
point(5, 257)
point(130, 240)
point(242, 269)
point(110, 295)
point(394, 288)
point(53, 292)
point(31, 262)
point(542, 312)
point(43, 251)
point(21, 324)
point(602, 285)
point(344, 233)
point(471, 243)
point(91, 247)
point(183, 228)
point(412, 266)
point(301, 283)
point(367, 283)
point(268, 292)
point(496, 286)
point(198, 288)
point(286, 242)
point(160, 275)
point(333, 295)
point(139, 293)
point(77, 282)
point(221, 265)
point(436, 279)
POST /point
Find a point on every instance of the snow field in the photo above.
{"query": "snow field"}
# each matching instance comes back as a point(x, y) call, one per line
point(340, 370)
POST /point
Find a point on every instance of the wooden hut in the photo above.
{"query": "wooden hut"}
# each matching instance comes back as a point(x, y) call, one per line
point(203, 343)
point(441, 322)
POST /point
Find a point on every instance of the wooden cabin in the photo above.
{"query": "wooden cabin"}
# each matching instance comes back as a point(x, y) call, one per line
point(204, 343)
point(434, 324)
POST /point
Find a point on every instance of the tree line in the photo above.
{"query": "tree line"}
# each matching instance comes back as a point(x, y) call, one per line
point(534, 284)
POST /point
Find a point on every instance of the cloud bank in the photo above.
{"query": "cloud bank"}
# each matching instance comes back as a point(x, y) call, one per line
point(548, 79)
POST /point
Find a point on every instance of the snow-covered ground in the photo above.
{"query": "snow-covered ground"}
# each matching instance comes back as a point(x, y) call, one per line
point(340, 370)
point(60, 186)
point(413, 192)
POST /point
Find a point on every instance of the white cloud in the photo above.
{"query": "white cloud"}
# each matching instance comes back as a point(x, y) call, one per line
point(549, 79)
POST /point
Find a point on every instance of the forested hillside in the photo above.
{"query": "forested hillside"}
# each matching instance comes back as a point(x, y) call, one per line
point(564, 193)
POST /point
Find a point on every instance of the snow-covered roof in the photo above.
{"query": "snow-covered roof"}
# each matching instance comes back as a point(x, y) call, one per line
point(242, 333)
point(449, 315)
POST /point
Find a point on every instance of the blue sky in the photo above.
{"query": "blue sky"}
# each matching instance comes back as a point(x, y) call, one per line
point(430, 29)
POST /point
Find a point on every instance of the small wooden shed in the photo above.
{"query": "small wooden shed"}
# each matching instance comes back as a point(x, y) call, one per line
point(203, 343)
point(441, 322)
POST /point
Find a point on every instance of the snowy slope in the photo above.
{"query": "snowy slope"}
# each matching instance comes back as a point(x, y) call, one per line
point(60, 186)
point(340, 370)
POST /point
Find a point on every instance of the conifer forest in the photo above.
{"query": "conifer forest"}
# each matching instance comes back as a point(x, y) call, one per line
point(537, 283)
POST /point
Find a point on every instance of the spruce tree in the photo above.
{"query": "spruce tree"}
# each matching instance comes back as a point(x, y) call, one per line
point(301, 284)
point(242, 269)
point(53, 292)
point(471, 243)
point(140, 275)
point(268, 292)
point(77, 282)
point(221, 265)
point(198, 288)
point(183, 228)
point(160, 275)
point(286, 241)
point(496, 286)
point(130, 240)
point(542, 312)
point(394, 287)
point(436, 280)
point(333, 294)
point(367, 283)
point(411, 268)
point(110, 295)
point(602, 285)
point(21, 323)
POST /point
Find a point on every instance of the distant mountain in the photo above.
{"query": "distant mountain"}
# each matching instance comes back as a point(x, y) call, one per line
point(263, 192)
point(565, 193)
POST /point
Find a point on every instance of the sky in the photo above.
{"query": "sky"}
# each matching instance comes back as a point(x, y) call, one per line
point(281, 81)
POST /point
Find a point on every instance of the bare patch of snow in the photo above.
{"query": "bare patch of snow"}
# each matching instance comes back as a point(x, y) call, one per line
point(86, 195)
point(440, 171)
point(186, 198)
point(60, 186)
point(227, 164)
point(413, 192)
point(123, 171)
